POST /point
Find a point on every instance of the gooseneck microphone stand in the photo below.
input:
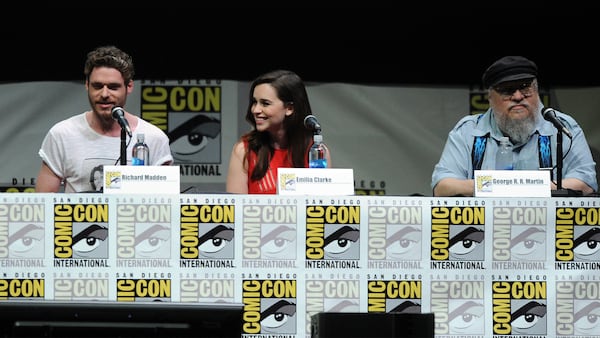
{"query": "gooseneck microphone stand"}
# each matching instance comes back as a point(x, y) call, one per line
point(559, 160)
point(123, 146)
point(560, 192)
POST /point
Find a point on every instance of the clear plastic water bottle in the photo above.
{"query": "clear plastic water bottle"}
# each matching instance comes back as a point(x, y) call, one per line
point(140, 154)
point(504, 156)
point(317, 156)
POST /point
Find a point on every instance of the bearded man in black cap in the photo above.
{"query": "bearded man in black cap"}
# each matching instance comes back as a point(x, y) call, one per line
point(515, 112)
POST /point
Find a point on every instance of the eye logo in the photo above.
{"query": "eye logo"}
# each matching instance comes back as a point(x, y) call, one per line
point(587, 319)
point(278, 241)
point(26, 241)
point(191, 141)
point(90, 241)
point(406, 307)
point(153, 242)
point(278, 317)
point(526, 318)
point(587, 246)
point(216, 242)
point(404, 244)
point(467, 244)
point(341, 243)
point(466, 317)
point(343, 306)
point(529, 244)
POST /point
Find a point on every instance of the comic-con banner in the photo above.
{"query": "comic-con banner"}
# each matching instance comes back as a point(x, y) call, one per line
point(198, 117)
point(203, 118)
point(486, 267)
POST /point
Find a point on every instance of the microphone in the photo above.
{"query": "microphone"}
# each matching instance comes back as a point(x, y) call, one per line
point(119, 114)
point(549, 114)
point(310, 122)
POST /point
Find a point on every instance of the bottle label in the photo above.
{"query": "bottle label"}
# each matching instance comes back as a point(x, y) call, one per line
point(137, 161)
point(320, 163)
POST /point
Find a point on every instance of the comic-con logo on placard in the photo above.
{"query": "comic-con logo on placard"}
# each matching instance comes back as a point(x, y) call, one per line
point(395, 236)
point(112, 180)
point(270, 235)
point(287, 182)
point(519, 308)
point(484, 183)
point(459, 307)
point(332, 233)
point(576, 230)
point(207, 235)
point(81, 233)
point(22, 232)
point(457, 234)
point(519, 235)
point(270, 306)
point(577, 308)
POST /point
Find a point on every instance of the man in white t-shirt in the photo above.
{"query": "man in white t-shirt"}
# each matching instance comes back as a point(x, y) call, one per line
point(74, 149)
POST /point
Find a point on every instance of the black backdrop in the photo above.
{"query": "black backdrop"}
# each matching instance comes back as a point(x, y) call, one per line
point(393, 43)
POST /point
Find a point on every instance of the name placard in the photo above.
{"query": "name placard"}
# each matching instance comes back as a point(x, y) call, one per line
point(512, 183)
point(141, 179)
point(315, 181)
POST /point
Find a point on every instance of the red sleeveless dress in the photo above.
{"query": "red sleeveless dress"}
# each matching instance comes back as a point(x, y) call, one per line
point(268, 184)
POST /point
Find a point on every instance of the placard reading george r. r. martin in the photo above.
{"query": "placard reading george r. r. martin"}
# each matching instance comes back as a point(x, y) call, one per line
point(512, 183)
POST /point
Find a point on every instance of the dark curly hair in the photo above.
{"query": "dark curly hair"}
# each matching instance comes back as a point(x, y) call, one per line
point(112, 57)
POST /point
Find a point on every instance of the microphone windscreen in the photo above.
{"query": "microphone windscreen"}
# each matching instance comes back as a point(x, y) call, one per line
point(310, 122)
point(117, 112)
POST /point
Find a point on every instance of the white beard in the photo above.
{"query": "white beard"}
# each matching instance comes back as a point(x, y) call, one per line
point(518, 131)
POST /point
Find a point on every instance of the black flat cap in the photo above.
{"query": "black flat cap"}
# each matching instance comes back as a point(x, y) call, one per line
point(509, 68)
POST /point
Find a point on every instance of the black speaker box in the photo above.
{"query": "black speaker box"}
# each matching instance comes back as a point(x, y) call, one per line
point(372, 325)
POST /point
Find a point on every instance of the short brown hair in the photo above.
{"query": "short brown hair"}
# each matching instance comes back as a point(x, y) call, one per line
point(112, 57)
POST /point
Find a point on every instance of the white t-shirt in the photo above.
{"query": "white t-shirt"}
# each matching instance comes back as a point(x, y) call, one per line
point(75, 152)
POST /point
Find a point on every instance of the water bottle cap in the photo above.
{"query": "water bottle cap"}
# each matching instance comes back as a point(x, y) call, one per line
point(140, 137)
point(318, 138)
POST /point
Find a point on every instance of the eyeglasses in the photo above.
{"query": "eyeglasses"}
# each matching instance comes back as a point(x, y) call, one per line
point(507, 90)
